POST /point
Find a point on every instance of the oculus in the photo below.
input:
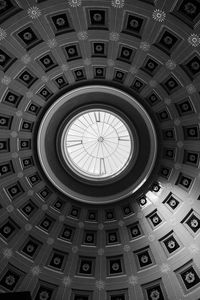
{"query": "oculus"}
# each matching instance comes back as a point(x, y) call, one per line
point(97, 144)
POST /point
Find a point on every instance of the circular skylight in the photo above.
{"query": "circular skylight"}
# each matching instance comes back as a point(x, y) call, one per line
point(97, 144)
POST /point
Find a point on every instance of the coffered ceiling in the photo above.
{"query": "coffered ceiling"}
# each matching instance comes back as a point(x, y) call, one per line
point(146, 246)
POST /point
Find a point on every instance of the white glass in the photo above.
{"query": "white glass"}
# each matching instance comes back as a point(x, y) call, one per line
point(97, 144)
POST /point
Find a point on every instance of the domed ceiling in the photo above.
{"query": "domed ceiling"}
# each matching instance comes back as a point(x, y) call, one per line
point(67, 236)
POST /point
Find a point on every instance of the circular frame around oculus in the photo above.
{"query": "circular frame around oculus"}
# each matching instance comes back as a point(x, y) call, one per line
point(77, 184)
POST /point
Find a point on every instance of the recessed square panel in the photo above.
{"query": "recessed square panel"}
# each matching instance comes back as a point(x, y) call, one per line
point(153, 98)
point(6, 59)
point(81, 295)
point(133, 24)
point(27, 78)
point(170, 84)
point(150, 66)
point(72, 52)
point(191, 132)
point(8, 9)
point(86, 266)
point(47, 223)
point(155, 187)
point(185, 181)
point(34, 179)
point(164, 115)
point(192, 66)
point(169, 134)
point(28, 37)
point(121, 294)
point(154, 290)
point(8, 229)
point(115, 265)
point(138, 85)
point(79, 74)
point(57, 260)
point(127, 210)
point(45, 288)
point(167, 41)
point(170, 243)
point(97, 18)
point(47, 61)
point(99, 72)
point(142, 201)
point(24, 144)
point(165, 172)
point(191, 158)
point(169, 153)
point(5, 121)
point(188, 276)
point(26, 126)
point(154, 218)
point(112, 237)
point(61, 23)
point(99, 49)
point(67, 233)
point(8, 5)
point(134, 231)
point(144, 258)
point(12, 98)
point(10, 278)
point(109, 214)
point(119, 76)
point(4, 145)
point(172, 202)
point(192, 222)
point(187, 11)
point(45, 93)
point(58, 204)
point(31, 247)
point(45, 193)
point(14, 190)
point(89, 238)
point(92, 215)
point(33, 108)
point(60, 81)
point(125, 53)
point(75, 212)
point(29, 208)
point(184, 107)
point(6, 169)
